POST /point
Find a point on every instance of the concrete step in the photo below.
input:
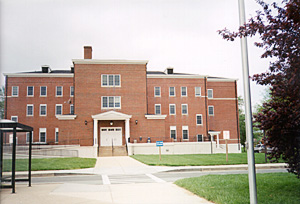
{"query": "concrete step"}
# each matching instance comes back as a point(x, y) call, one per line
point(112, 151)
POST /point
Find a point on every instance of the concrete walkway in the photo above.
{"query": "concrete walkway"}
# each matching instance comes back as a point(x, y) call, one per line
point(136, 193)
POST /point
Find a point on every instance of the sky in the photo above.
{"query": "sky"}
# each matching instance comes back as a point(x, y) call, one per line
point(169, 33)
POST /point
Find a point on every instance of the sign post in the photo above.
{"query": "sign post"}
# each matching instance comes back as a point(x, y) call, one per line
point(159, 144)
point(226, 136)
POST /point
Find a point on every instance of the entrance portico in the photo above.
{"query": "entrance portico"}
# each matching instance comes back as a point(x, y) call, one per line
point(215, 133)
point(111, 116)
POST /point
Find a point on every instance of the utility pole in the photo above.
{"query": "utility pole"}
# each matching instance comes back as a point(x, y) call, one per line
point(248, 112)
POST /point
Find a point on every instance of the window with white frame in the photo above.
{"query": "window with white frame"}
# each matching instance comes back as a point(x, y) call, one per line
point(197, 91)
point(110, 80)
point(71, 91)
point(43, 91)
point(199, 138)
point(184, 109)
point(14, 118)
point(171, 91)
point(43, 135)
point(173, 132)
point(199, 119)
point(58, 109)
point(15, 91)
point(185, 132)
point(59, 91)
point(72, 109)
point(28, 137)
point(111, 102)
point(43, 109)
point(157, 91)
point(184, 91)
point(157, 109)
point(210, 93)
point(29, 110)
point(172, 108)
point(30, 90)
point(56, 135)
point(211, 110)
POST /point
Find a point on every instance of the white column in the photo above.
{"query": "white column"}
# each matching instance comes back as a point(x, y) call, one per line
point(218, 144)
point(127, 130)
point(95, 133)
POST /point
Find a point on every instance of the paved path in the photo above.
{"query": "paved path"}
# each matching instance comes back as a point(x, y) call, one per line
point(158, 192)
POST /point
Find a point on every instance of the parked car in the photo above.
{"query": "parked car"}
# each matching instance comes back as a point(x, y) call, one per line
point(260, 148)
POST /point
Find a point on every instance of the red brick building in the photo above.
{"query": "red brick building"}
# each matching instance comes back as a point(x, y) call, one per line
point(105, 103)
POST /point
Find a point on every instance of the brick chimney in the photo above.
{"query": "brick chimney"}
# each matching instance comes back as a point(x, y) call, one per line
point(88, 52)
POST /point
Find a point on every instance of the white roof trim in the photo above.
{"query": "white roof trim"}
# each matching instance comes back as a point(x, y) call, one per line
point(214, 132)
point(111, 115)
point(224, 80)
point(38, 75)
point(175, 76)
point(66, 117)
point(159, 117)
point(7, 121)
point(96, 61)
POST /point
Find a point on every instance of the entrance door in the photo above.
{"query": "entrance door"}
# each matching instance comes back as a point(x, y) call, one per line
point(111, 136)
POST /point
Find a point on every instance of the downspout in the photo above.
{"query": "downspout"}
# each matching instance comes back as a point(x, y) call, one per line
point(6, 83)
point(205, 84)
point(237, 116)
point(205, 97)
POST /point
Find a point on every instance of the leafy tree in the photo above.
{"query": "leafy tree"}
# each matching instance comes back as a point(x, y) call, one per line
point(242, 122)
point(278, 27)
point(2, 92)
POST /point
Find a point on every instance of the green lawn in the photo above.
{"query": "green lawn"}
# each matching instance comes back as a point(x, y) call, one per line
point(50, 164)
point(271, 188)
point(198, 159)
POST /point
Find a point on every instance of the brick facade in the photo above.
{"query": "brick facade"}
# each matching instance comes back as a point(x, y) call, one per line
point(130, 96)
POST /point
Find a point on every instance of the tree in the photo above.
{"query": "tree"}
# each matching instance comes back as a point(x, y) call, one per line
point(2, 92)
point(278, 28)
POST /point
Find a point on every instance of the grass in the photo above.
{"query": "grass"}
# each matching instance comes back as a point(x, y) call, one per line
point(198, 159)
point(271, 188)
point(50, 164)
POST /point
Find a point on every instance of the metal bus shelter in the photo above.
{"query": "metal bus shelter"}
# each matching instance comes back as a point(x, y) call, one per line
point(9, 126)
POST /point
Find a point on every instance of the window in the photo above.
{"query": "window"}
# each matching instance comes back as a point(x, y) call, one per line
point(185, 132)
point(157, 109)
point(110, 102)
point(210, 110)
point(29, 110)
point(59, 91)
point(110, 80)
point(72, 109)
point(184, 109)
point(43, 91)
point(200, 138)
point(58, 109)
point(173, 132)
point(15, 91)
point(209, 93)
point(197, 91)
point(71, 91)
point(199, 119)
point(157, 91)
point(56, 135)
point(172, 109)
point(43, 110)
point(28, 137)
point(30, 90)
point(172, 91)
point(43, 135)
point(183, 91)
point(14, 118)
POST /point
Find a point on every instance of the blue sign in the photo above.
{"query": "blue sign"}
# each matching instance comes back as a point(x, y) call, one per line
point(159, 143)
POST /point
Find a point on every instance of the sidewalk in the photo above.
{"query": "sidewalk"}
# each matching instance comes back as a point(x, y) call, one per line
point(127, 165)
point(135, 193)
point(76, 192)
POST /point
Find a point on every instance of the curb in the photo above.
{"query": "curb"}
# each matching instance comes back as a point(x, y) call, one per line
point(224, 168)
